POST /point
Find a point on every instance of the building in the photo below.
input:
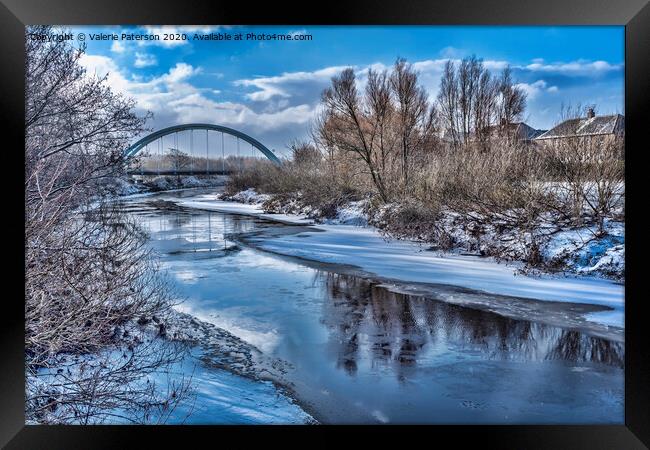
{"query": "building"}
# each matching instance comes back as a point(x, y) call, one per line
point(521, 132)
point(610, 126)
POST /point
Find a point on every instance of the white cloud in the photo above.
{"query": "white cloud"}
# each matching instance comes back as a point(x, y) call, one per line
point(495, 65)
point(284, 85)
point(105, 66)
point(117, 47)
point(180, 72)
point(294, 84)
point(579, 67)
point(278, 108)
point(174, 100)
point(431, 65)
point(144, 60)
point(291, 89)
point(452, 52)
point(533, 90)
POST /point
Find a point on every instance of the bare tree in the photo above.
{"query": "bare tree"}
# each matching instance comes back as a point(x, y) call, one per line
point(467, 101)
point(484, 107)
point(378, 92)
point(512, 102)
point(471, 101)
point(87, 269)
point(386, 126)
point(591, 170)
point(448, 103)
point(305, 155)
point(178, 161)
point(605, 191)
point(469, 73)
point(348, 128)
point(416, 118)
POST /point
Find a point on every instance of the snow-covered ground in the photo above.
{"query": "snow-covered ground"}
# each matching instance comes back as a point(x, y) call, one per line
point(366, 248)
point(217, 396)
point(225, 379)
point(246, 203)
point(224, 386)
point(585, 254)
point(224, 398)
point(147, 185)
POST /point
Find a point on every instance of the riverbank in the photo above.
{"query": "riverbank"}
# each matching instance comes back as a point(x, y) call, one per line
point(232, 381)
point(146, 185)
point(219, 378)
point(366, 248)
point(343, 335)
point(235, 382)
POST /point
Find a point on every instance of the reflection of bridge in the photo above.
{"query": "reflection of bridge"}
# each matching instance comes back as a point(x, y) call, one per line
point(196, 153)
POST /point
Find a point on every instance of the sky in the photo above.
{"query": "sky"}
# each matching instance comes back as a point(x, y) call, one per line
point(271, 89)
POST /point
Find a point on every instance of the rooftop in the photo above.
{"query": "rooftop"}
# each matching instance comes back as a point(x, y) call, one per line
point(522, 129)
point(586, 126)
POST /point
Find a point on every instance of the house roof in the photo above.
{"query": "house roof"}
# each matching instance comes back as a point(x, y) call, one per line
point(535, 133)
point(524, 131)
point(528, 132)
point(593, 126)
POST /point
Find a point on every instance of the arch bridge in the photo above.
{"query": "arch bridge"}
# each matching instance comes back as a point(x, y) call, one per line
point(184, 163)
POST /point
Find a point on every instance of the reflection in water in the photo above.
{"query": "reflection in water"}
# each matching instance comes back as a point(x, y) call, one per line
point(175, 231)
point(361, 354)
point(367, 320)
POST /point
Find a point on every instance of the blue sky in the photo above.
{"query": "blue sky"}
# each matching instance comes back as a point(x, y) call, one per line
point(271, 89)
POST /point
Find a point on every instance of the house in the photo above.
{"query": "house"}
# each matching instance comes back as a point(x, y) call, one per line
point(521, 131)
point(610, 126)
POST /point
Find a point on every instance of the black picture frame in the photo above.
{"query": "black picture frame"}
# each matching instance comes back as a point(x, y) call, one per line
point(633, 14)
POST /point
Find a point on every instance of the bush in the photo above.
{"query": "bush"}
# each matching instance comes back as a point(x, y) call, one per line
point(87, 269)
point(304, 183)
point(415, 221)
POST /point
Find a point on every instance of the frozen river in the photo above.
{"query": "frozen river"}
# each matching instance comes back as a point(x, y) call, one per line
point(359, 353)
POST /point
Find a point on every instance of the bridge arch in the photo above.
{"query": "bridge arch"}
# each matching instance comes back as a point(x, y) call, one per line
point(139, 145)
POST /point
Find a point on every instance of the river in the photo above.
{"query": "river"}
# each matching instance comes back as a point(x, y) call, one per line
point(359, 353)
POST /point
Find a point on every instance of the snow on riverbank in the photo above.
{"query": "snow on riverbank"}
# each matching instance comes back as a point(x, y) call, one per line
point(369, 250)
point(129, 188)
point(585, 254)
point(221, 373)
point(225, 377)
point(224, 398)
point(246, 203)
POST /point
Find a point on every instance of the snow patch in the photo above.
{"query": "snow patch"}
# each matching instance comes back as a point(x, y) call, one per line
point(353, 213)
point(249, 196)
point(582, 251)
point(371, 251)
